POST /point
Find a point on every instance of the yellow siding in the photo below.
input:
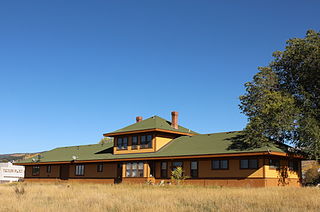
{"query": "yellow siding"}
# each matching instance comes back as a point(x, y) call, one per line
point(130, 151)
point(274, 173)
point(158, 141)
point(234, 170)
point(205, 170)
point(161, 141)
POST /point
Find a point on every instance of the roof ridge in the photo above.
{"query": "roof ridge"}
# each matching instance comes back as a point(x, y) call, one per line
point(78, 146)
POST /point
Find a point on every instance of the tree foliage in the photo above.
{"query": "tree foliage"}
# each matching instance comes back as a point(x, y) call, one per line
point(177, 175)
point(282, 101)
point(105, 140)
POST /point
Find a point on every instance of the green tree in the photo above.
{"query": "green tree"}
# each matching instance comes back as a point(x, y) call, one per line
point(283, 100)
point(105, 140)
point(271, 112)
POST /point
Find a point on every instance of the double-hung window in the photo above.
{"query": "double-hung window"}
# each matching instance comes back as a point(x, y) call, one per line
point(119, 143)
point(122, 143)
point(134, 169)
point(134, 142)
point(48, 168)
point(249, 164)
point(80, 170)
point(164, 170)
point(274, 163)
point(146, 141)
point(194, 169)
point(176, 164)
point(293, 165)
point(100, 167)
point(220, 164)
point(35, 170)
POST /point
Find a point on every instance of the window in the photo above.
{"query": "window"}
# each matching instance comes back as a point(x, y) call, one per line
point(146, 141)
point(249, 164)
point(274, 163)
point(164, 170)
point(122, 143)
point(100, 167)
point(79, 170)
point(149, 141)
point(125, 143)
point(119, 143)
point(134, 169)
point(143, 141)
point(194, 169)
point(48, 169)
point(176, 164)
point(140, 169)
point(220, 164)
point(293, 165)
point(35, 170)
point(134, 142)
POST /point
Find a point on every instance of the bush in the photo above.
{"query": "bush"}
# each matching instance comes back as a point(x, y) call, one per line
point(177, 175)
point(312, 175)
point(19, 190)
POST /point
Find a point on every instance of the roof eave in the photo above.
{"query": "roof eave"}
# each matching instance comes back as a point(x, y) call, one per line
point(147, 130)
point(173, 157)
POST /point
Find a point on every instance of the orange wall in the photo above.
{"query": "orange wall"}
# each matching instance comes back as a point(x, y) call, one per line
point(109, 171)
point(234, 171)
point(55, 172)
point(205, 171)
point(272, 176)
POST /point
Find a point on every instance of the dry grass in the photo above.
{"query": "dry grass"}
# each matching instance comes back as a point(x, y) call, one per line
point(97, 197)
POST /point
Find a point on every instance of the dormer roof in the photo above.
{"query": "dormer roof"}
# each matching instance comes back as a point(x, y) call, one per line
point(154, 123)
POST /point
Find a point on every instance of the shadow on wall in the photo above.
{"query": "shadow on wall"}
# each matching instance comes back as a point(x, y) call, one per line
point(283, 176)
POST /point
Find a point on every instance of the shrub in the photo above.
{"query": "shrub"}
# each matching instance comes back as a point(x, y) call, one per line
point(19, 190)
point(312, 175)
point(177, 175)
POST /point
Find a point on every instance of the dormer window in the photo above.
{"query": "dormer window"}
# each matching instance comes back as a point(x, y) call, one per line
point(122, 143)
point(134, 142)
point(146, 141)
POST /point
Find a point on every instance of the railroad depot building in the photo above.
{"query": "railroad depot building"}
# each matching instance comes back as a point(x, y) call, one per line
point(150, 149)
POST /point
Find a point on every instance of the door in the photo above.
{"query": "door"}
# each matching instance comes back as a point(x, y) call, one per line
point(119, 173)
point(64, 172)
point(152, 169)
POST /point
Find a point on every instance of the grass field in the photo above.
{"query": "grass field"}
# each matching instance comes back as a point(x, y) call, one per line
point(97, 197)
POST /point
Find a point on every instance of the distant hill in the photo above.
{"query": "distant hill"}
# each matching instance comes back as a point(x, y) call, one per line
point(16, 156)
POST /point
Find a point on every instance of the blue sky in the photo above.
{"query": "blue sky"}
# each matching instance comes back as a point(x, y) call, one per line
point(73, 70)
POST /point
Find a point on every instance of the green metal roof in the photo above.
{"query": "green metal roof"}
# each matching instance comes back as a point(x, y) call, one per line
point(205, 144)
point(154, 122)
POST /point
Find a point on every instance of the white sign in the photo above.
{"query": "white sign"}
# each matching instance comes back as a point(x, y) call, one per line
point(10, 173)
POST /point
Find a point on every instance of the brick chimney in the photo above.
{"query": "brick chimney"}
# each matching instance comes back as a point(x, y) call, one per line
point(174, 122)
point(138, 119)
